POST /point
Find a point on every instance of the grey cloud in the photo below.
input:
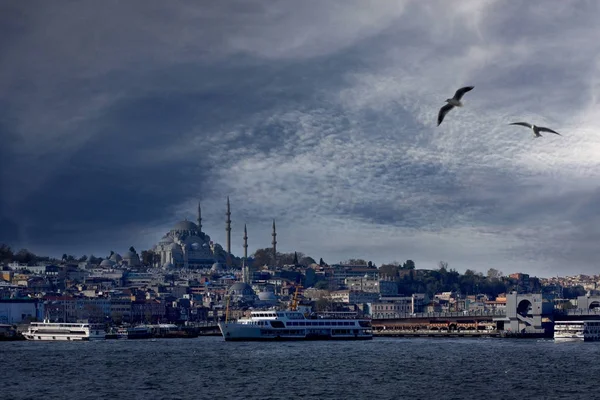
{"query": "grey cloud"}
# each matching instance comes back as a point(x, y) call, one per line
point(117, 119)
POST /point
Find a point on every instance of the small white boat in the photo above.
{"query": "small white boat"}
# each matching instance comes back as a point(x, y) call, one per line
point(584, 331)
point(64, 331)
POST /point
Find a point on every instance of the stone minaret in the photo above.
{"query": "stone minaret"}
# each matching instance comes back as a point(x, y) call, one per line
point(228, 231)
point(274, 243)
point(245, 243)
point(199, 218)
point(245, 267)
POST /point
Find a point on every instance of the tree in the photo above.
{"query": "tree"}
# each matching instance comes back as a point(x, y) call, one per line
point(83, 258)
point(324, 305)
point(306, 260)
point(132, 249)
point(262, 257)
point(493, 273)
point(95, 260)
point(285, 259)
point(295, 258)
point(321, 262)
point(310, 277)
point(389, 270)
point(409, 264)
point(443, 265)
point(149, 257)
point(24, 256)
point(6, 253)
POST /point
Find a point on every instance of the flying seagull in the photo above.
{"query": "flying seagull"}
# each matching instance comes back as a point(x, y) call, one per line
point(536, 129)
point(453, 102)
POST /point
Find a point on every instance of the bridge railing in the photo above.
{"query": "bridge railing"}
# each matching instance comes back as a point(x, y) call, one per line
point(472, 313)
point(578, 311)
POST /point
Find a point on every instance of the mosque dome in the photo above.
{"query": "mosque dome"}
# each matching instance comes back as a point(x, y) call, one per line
point(267, 296)
point(185, 226)
point(166, 240)
point(131, 258)
point(241, 289)
point(107, 263)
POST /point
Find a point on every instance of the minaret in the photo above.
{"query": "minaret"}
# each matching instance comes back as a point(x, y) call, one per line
point(199, 218)
point(228, 231)
point(274, 243)
point(245, 243)
point(246, 268)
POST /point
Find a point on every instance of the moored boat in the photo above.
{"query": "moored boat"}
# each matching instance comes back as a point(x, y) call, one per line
point(47, 330)
point(585, 331)
point(293, 325)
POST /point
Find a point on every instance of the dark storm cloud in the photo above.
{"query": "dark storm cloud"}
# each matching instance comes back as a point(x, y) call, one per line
point(116, 119)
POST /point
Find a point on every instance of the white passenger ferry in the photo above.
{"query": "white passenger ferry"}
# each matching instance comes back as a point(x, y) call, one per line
point(64, 331)
point(588, 331)
point(294, 325)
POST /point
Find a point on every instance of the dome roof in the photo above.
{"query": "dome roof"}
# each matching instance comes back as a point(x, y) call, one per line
point(241, 288)
point(116, 257)
point(267, 296)
point(129, 255)
point(218, 267)
point(107, 263)
point(185, 226)
point(166, 240)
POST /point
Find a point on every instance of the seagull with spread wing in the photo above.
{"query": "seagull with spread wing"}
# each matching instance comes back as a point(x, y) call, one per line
point(453, 102)
point(536, 129)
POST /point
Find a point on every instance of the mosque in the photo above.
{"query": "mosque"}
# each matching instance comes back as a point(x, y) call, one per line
point(186, 246)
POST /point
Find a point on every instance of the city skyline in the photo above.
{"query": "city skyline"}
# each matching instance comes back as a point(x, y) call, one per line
point(117, 119)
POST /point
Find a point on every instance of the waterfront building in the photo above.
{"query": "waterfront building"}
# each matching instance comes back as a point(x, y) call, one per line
point(354, 297)
point(338, 274)
point(399, 306)
point(17, 311)
point(371, 285)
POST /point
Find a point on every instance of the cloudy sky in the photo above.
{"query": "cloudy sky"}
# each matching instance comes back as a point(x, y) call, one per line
point(117, 117)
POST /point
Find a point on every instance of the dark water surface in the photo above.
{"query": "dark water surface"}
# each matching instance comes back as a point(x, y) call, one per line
point(207, 368)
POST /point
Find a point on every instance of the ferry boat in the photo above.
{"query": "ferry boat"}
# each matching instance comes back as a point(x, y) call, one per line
point(64, 331)
point(587, 331)
point(294, 325)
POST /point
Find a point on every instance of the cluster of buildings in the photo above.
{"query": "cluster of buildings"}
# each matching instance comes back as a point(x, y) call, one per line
point(191, 279)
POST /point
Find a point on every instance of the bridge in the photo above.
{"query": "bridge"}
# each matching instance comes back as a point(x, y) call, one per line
point(526, 315)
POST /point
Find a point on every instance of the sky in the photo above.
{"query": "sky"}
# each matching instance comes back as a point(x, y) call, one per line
point(117, 118)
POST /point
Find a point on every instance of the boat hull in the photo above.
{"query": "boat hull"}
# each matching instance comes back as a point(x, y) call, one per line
point(60, 337)
point(232, 332)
